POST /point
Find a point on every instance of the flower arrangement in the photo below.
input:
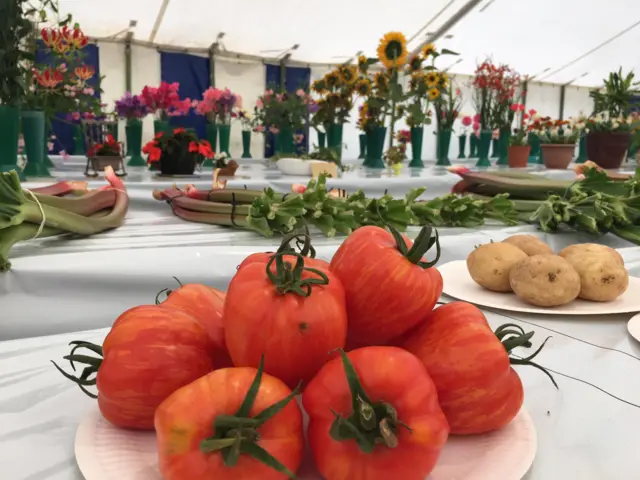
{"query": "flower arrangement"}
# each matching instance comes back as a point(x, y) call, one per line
point(336, 92)
point(520, 136)
point(164, 101)
point(495, 90)
point(276, 111)
point(131, 107)
point(220, 104)
point(466, 122)
point(556, 132)
point(109, 148)
point(246, 120)
point(447, 105)
point(603, 122)
point(177, 139)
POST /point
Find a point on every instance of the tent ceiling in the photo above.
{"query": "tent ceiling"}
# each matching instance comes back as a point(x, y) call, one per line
point(536, 37)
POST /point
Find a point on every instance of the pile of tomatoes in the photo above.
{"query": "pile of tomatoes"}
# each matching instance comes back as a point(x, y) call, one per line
point(216, 375)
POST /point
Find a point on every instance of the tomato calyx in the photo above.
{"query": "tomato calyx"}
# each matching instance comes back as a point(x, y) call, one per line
point(92, 365)
point(166, 291)
point(303, 244)
point(288, 278)
point(370, 423)
point(423, 243)
point(238, 434)
point(512, 336)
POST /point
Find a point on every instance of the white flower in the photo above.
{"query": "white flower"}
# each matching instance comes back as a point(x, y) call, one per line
point(616, 125)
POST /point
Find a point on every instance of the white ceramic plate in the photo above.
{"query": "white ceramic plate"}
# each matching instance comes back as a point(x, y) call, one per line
point(459, 284)
point(294, 166)
point(104, 452)
point(634, 327)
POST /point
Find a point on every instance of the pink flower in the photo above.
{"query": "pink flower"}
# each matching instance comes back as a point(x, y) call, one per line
point(476, 117)
point(476, 126)
point(238, 101)
point(268, 92)
point(466, 120)
point(65, 155)
point(50, 146)
point(75, 116)
point(458, 92)
point(88, 91)
point(532, 112)
point(259, 128)
point(300, 92)
point(279, 97)
point(259, 103)
point(174, 87)
point(298, 188)
point(62, 67)
point(211, 95)
point(298, 138)
point(274, 130)
point(21, 142)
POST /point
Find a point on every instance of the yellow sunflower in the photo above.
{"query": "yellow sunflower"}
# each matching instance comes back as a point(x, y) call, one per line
point(392, 51)
point(428, 49)
point(362, 63)
point(318, 87)
point(416, 79)
point(381, 81)
point(415, 64)
point(348, 74)
point(432, 79)
point(433, 93)
point(331, 80)
point(363, 87)
point(443, 79)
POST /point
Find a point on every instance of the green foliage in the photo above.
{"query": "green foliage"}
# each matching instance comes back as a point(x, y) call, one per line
point(616, 94)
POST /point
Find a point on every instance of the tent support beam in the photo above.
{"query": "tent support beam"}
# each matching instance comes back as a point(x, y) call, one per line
point(283, 72)
point(525, 89)
point(563, 89)
point(212, 64)
point(127, 62)
point(159, 19)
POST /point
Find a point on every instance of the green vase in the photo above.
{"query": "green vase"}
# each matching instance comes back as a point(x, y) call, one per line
point(443, 143)
point(133, 131)
point(362, 138)
point(284, 141)
point(334, 139)
point(78, 141)
point(246, 144)
point(534, 141)
point(484, 143)
point(10, 132)
point(161, 126)
point(417, 135)
point(473, 146)
point(582, 150)
point(503, 146)
point(462, 145)
point(33, 128)
point(224, 134)
point(375, 147)
point(495, 147)
point(212, 138)
point(322, 140)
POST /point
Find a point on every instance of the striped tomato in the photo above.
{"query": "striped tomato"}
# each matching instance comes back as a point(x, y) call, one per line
point(389, 287)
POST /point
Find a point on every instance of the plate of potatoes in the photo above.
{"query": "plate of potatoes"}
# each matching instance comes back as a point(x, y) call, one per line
point(523, 274)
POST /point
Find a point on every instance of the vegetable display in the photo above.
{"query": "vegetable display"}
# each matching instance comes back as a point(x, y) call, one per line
point(65, 207)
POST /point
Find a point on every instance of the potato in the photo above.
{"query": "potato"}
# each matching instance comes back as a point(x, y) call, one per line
point(545, 281)
point(489, 265)
point(602, 277)
point(529, 244)
point(590, 248)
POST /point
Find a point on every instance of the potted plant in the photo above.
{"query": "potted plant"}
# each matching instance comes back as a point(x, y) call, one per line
point(177, 152)
point(105, 154)
point(447, 108)
point(608, 130)
point(557, 141)
point(246, 121)
point(133, 110)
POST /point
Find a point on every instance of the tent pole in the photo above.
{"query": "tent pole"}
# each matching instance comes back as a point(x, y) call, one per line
point(127, 62)
point(212, 64)
point(159, 19)
point(562, 95)
point(283, 72)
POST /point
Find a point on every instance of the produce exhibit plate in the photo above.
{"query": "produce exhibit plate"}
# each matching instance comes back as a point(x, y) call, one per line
point(104, 452)
point(633, 326)
point(459, 284)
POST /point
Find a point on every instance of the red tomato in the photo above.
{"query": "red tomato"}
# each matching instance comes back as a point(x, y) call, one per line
point(206, 305)
point(149, 353)
point(185, 428)
point(387, 292)
point(478, 390)
point(267, 313)
point(398, 387)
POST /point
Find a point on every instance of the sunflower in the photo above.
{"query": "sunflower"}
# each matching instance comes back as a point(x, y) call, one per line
point(392, 51)
point(433, 93)
point(363, 64)
point(381, 81)
point(331, 80)
point(363, 87)
point(428, 49)
point(443, 79)
point(318, 87)
point(415, 64)
point(416, 79)
point(432, 79)
point(348, 74)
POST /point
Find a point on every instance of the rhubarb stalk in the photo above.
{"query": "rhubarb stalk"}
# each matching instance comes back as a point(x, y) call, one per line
point(62, 188)
point(84, 205)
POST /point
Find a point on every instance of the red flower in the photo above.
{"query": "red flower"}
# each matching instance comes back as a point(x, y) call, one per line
point(49, 78)
point(158, 135)
point(51, 37)
point(179, 130)
point(153, 151)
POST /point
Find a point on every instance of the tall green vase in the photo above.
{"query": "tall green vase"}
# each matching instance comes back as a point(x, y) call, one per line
point(334, 139)
point(503, 146)
point(212, 138)
point(322, 140)
point(133, 131)
point(224, 134)
point(246, 143)
point(443, 143)
point(495, 147)
point(473, 146)
point(417, 135)
point(362, 138)
point(10, 132)
point(484, 143)
point(534, 141)
point(78, 141)
point(375, 147)
point(462, 145)
point(582, 149)
point(33, 128)
point(284, 142)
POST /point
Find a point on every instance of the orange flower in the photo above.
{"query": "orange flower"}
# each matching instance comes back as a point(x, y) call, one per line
point(74, 38)
point(51, 37)
point(84, 72)
point(49, 77)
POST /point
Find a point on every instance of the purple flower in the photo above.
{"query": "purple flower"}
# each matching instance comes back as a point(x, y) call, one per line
point(313, 107)
point(131, 106)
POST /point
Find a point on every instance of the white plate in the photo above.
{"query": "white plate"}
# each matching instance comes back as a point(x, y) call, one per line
point(294, 166)
point(459, 284)
point(104, 452)
point(634, 327)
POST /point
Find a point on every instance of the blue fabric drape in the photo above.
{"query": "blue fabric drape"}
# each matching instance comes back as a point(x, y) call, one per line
point(60, 126)
point(193, 75)
point(295, 78)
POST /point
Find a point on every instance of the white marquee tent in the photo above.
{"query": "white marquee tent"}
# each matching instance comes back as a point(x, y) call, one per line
point(570, 43)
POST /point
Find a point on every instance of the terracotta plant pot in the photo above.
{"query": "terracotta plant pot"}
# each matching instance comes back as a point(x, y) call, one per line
point(608, 149)
point(518, 156)
point(557, 156)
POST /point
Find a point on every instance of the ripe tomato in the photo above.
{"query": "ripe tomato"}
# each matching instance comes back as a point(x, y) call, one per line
point(206, 305)
point(303, 242)
point(478, 390)
point(293, 315)
point(149, 353)
point(216, 426)
point(385, 393)
point(389, 288)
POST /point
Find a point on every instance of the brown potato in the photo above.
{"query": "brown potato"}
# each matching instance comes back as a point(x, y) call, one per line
point(545, 281)
point(602, 277)
point(590, 248)
point(529, 244)
point(489, 265)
